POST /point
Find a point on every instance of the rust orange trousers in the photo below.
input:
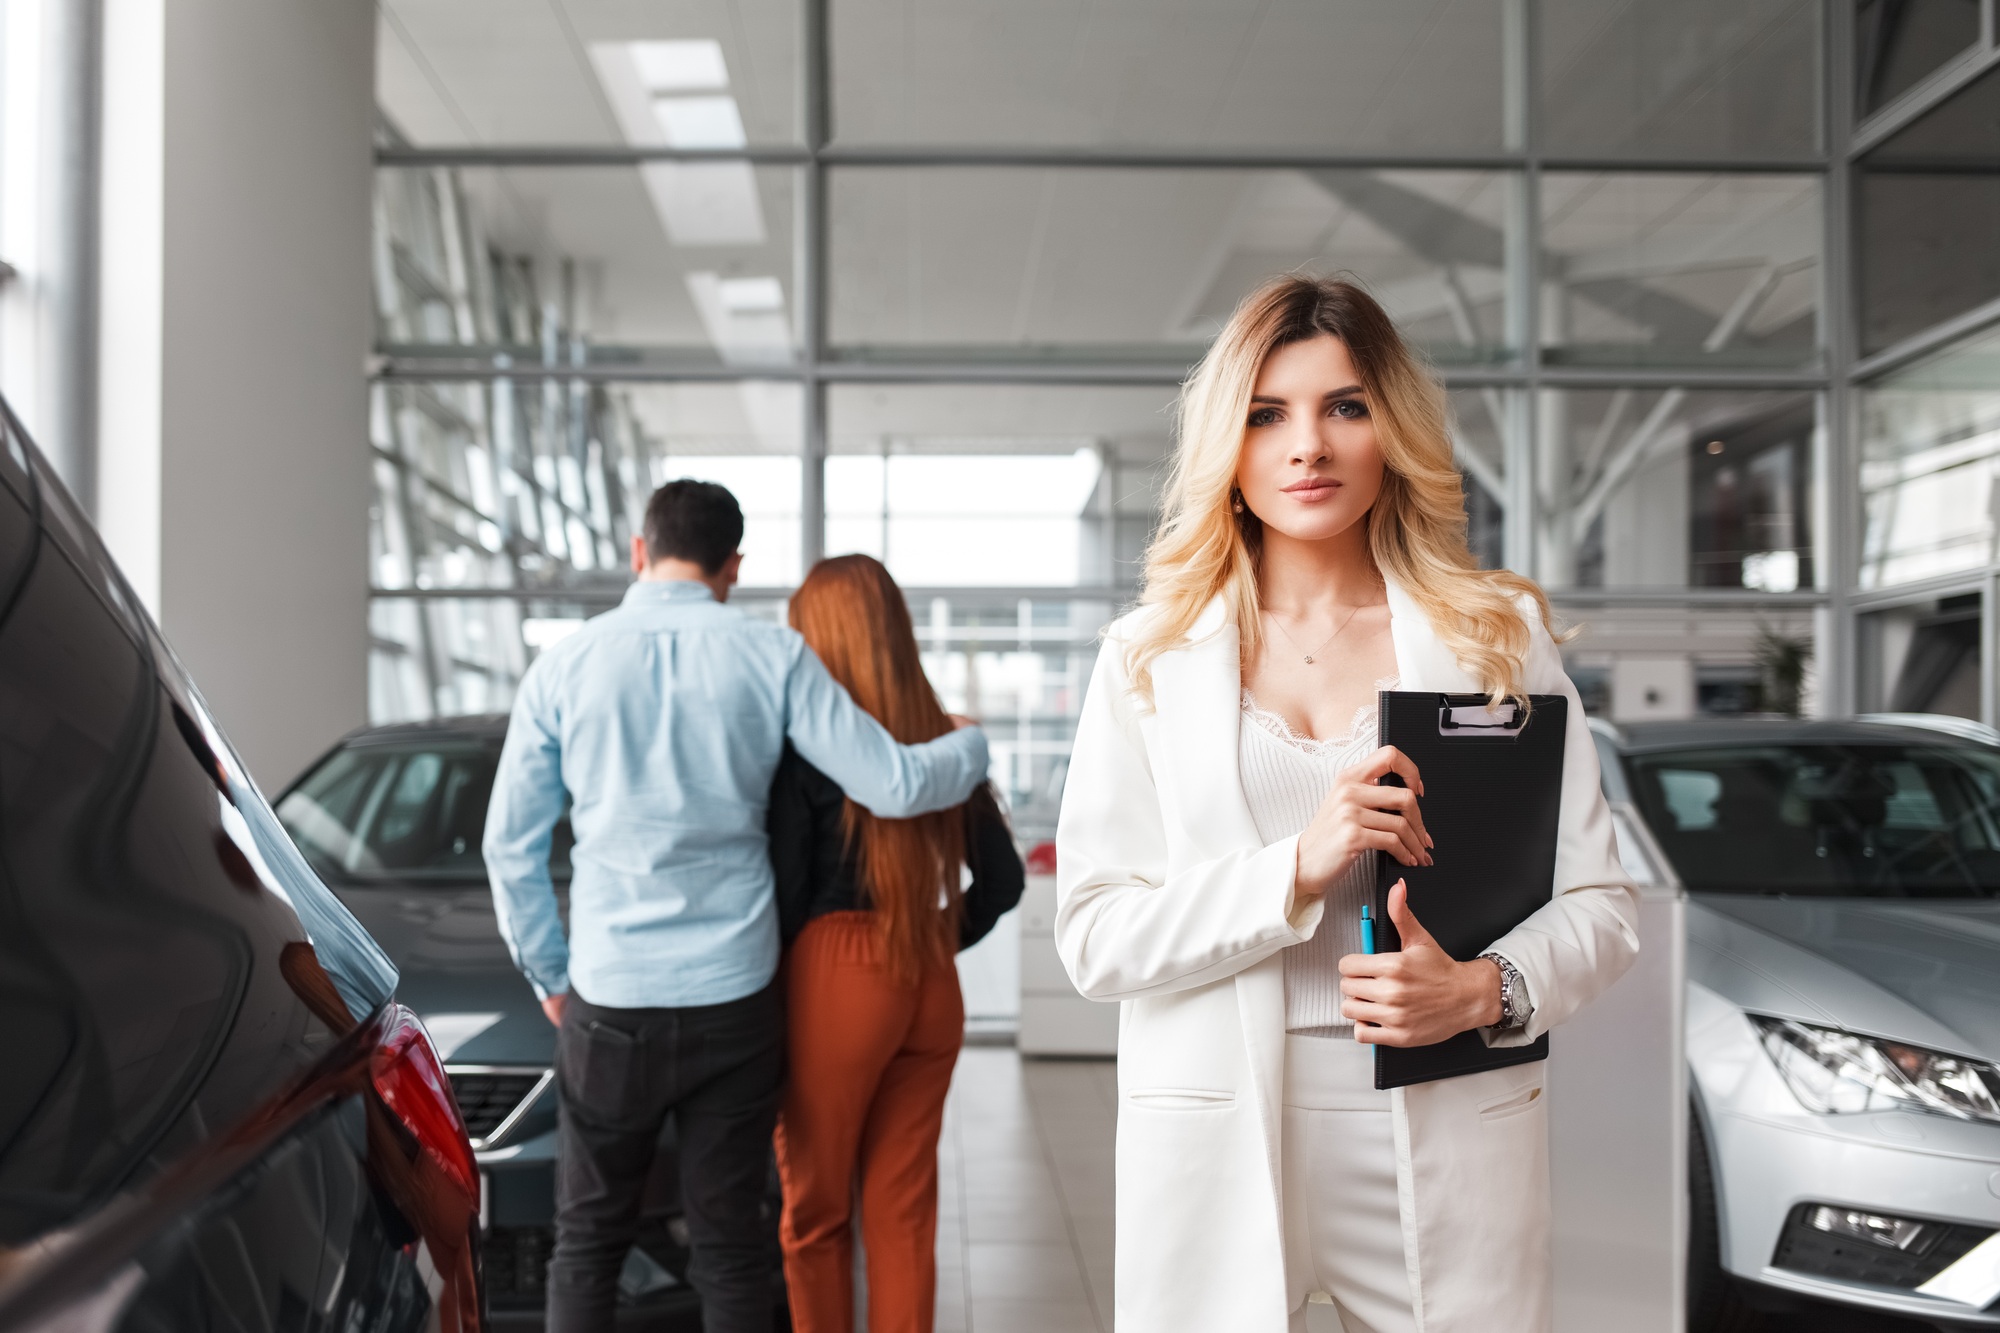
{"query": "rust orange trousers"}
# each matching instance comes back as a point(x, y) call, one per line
point(871, 1061)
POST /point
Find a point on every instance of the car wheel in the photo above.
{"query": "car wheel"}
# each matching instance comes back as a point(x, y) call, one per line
point(1715, 1301)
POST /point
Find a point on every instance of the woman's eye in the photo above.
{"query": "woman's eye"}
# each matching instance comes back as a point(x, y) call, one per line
point(1351, 408)
point(1264, 416)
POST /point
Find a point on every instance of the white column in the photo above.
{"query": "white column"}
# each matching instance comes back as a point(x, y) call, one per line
point(234, 323)
point(48, 233)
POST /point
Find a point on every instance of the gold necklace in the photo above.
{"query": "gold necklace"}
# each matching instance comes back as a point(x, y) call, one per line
point(1329, 638)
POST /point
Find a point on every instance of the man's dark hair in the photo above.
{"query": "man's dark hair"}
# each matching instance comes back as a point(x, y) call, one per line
point(693, 520)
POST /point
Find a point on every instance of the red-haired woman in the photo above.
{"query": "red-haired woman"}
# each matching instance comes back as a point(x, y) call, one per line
point(873, 911)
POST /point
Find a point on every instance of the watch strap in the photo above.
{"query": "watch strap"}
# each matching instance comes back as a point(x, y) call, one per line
point(1515, 1007)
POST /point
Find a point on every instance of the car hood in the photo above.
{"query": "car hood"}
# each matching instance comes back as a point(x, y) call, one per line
point(1925, 972)
point(456, 972)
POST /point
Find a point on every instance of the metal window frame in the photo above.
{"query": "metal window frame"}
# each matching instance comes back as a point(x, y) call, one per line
point(1835, 379)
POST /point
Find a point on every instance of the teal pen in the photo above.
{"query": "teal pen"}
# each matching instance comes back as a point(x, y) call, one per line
point(1367, 929)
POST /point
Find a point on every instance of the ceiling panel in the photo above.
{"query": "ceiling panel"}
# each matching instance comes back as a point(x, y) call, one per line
point(1306, 74)
point(523, 72)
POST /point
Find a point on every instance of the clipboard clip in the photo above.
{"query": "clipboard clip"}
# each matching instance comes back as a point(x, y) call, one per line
point(1478, 720)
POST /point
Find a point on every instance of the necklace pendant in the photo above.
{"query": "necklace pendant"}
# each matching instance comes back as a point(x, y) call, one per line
point(1309, 660)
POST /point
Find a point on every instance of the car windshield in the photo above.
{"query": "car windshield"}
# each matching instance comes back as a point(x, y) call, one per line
point(1859, 820)
point(411, 811)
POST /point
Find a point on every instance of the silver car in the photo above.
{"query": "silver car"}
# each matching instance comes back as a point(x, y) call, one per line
point(1843, 1006)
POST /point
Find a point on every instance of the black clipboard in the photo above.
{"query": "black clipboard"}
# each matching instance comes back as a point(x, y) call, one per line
point(1492, 801)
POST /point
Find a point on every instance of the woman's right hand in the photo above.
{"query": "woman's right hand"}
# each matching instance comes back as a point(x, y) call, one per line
point(1358, 816)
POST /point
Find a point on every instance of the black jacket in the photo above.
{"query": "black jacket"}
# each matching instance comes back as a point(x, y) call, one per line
point(816, 870)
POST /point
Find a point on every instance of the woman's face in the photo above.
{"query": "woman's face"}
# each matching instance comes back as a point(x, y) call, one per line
point(1310, 467)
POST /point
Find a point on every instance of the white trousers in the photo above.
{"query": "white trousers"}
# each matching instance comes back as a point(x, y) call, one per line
point(1343, 1228)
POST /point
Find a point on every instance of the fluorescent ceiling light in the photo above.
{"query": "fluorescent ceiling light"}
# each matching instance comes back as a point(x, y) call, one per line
point(751, 296)
point(699, 203)
point(700, 122)
point(679, 67)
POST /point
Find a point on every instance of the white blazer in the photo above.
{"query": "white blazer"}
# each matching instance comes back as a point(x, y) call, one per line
point(1168, 901)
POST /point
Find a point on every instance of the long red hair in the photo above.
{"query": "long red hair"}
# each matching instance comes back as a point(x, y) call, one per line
point(852, 614)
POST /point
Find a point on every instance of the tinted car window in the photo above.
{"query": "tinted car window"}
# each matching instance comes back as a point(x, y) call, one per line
point(412, 812)
point(137, 1012)
point(1854, 820)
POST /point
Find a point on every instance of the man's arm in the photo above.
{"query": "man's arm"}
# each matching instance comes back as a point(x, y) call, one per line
point(888, 780)
point(527, 801)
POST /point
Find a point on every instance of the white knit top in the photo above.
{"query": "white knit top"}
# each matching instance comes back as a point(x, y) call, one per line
point(1285, 777)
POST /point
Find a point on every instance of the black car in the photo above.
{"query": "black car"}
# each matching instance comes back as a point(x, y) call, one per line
point(213, 1114)
point(392, 817)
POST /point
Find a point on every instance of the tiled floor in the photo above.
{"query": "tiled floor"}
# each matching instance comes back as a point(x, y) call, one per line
point(1024, 1213)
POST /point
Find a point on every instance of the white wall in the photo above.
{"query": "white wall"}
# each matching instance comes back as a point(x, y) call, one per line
point(47, 308)
point(235, 320)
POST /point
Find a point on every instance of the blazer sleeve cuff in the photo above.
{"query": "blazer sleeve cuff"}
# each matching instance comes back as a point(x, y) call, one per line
point(1529, 1032)
point(1302, 913)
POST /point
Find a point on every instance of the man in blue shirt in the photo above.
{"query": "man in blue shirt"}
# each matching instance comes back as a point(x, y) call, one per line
point(662, 723)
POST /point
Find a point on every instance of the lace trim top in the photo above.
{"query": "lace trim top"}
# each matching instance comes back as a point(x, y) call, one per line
point(1285, 777)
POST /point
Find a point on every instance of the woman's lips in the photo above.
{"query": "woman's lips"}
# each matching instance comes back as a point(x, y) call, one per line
point(1312, 490)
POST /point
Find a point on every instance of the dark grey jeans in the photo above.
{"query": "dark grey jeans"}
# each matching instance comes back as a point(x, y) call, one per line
point(620, 1073)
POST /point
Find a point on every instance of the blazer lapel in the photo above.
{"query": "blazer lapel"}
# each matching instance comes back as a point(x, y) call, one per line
point(1422, 660)
point(1200, 686)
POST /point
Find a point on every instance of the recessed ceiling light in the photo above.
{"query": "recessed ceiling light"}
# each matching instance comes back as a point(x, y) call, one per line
point(1715, 446)
point(680, 67)
point(700, 122)
point(751, 296)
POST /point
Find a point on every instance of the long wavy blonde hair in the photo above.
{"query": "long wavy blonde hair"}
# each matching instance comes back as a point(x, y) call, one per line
point(1416, 528)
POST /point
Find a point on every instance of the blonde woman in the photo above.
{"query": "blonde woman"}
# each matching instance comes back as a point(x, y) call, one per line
point(1211, 861)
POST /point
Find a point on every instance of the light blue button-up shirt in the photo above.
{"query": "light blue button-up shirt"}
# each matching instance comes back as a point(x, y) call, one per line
point(664, 720)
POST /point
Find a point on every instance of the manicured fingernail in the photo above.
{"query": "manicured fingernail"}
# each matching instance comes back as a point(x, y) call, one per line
point(1429, 841)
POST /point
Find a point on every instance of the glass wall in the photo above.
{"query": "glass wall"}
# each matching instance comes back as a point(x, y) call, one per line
point(922, 280)
point(665, 263)
point(1899, 43)
point(1673, 488)
point(1922, 657)
point(1927, 393)
point(1930, 464)
point(1680, 269)
point(1001, 262)
point(1691, 79)
point(1929, 207)
point(981, 485)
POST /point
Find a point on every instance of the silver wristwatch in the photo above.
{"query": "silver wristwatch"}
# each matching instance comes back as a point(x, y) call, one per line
point(1515, 1006)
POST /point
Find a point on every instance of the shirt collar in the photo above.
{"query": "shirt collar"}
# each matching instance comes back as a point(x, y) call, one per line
point(674, 590)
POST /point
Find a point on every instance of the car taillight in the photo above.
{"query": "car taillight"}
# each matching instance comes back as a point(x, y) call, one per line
point(411, 1082)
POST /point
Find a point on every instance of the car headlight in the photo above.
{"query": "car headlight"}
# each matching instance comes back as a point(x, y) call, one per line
point(1838, 1073)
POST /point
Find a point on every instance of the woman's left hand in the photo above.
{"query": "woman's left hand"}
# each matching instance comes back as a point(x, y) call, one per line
point(1419, 995)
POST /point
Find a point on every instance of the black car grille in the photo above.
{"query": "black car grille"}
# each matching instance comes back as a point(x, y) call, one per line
point(1804, 1248)
point(516, 1264)
point(486, 1098)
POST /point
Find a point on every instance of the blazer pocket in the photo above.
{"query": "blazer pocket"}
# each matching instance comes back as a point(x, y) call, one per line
point(1509, 1104)
point(1181, 1099)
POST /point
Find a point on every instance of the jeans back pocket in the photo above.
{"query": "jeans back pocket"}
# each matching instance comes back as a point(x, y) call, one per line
point(605, 1069)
